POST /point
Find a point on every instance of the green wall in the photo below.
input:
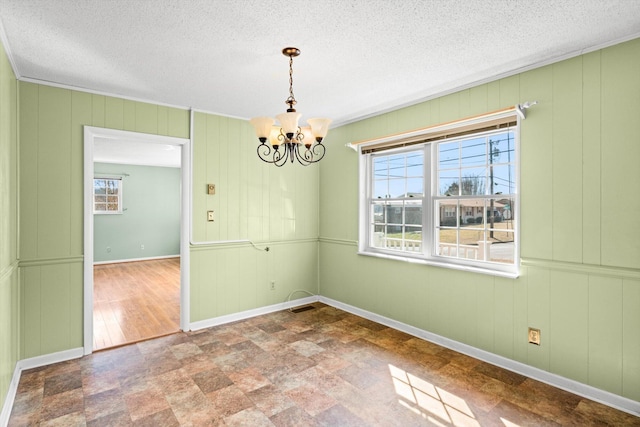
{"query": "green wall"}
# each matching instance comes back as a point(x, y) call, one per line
point(580, 250)
point(271, 206)
point(151, 216)
point(9, 272)
point(51, 202)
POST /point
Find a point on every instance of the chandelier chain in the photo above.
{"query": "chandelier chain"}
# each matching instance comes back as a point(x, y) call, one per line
point(292, 99)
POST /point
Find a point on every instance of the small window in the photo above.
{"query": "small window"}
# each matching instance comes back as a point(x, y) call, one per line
point(107, 195)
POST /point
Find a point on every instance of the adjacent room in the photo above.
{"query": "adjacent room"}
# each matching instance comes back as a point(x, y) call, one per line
point(370, 213)
point(136, 241)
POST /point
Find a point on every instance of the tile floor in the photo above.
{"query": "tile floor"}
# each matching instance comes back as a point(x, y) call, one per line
point(321, 367)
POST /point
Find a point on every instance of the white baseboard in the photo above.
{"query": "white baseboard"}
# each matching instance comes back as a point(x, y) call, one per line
point(120, 261)
point(49, 359)
point(10, 398)
point(575, 387)
point(202, 324)
point(34, 362)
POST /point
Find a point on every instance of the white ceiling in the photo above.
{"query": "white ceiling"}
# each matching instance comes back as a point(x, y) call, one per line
point(359, 57)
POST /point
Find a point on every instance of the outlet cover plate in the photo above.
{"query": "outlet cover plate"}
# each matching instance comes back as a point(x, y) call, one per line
point(534, 336)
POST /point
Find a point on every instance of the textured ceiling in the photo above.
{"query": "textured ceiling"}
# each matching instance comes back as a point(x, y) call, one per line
point(359, 57)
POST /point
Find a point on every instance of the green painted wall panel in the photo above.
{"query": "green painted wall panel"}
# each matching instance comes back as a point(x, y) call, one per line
point(31, 313)
point(129, 115)
point(29, 98)
point(630, 341)
point(80, 114)
point(9, 272)
point(536, 164)
point(98, 110)
point(620, 172)
point(146, 118)
point(504, 317)
point(230, 279)
point(485, 311)
point(54, 164)
point(591, 147)
point(566, 158)
point(114, 113)
point(568, 325)
point(510, 91)
point(605, 333)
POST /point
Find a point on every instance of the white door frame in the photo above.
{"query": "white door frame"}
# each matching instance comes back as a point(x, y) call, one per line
point(90, 134)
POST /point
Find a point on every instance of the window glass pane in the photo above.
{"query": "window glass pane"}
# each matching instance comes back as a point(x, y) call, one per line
point(503, 248)
point(379, 213)
point(112, 199)
point(413, 239)
point(100, 207)
point(448, 183)
point(396, 166)
point(447, 242)
point(99, 186)
point(394, 214)
point(448, 155)
point(447, 212)
point(503, 179)
point(413, 213)
point(473, 181)
point(112, 186)
point(381, 189)
point(415, 164)
point(508, 206)
point(474, 152)
point(471, 213)
point(378, 237)
point(397, 187)
point(101, 199)
point(502, 147)
point(415, 187)
point(380, 165)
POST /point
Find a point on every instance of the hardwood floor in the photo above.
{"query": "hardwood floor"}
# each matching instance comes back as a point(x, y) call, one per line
point(135, 301)
point(320, 367)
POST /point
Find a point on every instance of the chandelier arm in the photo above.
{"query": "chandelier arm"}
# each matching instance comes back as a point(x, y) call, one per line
point(268, 154)
point(283, 156)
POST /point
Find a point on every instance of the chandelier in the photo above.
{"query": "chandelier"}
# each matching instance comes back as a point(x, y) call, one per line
point(289, 141)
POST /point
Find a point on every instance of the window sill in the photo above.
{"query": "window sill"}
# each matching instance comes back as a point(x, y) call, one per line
point(436, 263)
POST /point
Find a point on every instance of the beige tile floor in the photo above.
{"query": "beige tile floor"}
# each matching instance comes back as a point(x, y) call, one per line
point(321, 367)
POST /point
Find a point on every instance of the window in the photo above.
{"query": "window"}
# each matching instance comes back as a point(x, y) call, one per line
point(107, 195)
point(448, 201)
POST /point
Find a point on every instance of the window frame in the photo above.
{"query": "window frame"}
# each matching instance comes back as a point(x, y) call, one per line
point(119, 180)
point(428, 254)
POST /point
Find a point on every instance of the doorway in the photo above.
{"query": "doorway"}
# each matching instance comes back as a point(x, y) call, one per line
point(97, 141)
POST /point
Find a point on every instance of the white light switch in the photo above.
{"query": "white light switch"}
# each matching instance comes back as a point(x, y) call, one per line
point(210, 216)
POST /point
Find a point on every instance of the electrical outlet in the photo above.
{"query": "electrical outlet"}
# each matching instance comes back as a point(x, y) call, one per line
point(108, 249)
point(142, 247)
point(272, 285)
point(210, 216)
point(534, 336)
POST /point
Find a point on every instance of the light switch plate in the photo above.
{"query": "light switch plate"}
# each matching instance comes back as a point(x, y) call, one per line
point(211, 189)
point(210, 216)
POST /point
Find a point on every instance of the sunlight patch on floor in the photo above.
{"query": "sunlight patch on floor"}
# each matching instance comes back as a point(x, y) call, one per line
point(433, 403)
